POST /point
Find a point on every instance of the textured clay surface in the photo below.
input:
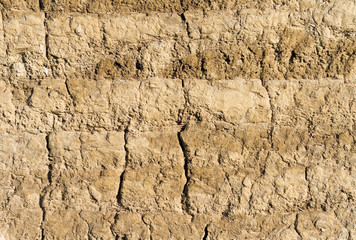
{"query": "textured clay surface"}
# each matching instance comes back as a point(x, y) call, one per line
point(182, 119)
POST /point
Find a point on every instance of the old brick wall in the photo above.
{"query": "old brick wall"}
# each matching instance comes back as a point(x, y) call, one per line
point(182, 119)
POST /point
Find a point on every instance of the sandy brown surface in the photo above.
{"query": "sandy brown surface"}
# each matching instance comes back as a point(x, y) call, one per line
point(178, 119)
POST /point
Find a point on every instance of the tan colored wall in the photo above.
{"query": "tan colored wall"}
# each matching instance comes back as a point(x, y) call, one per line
point(178, 119)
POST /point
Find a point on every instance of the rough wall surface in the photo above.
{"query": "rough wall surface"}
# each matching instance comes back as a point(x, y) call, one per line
point(182, 119)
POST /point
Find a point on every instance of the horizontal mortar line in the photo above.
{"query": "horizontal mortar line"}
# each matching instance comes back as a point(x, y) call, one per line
point(319, 82)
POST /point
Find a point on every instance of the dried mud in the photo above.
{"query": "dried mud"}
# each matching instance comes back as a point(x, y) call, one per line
point(177, 119)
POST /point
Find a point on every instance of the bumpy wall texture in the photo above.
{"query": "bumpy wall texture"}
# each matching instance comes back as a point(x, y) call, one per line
point(182, 119)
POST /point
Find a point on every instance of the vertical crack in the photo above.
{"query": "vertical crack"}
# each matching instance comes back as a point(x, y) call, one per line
point(81, 146)
point(47, 64)
point(46, 31)
point(296, 226)
point(309, 192)
point(4, 35)
point(148, 224)
point(206, 233)
point(122, 176)
point(182, 5)
point(41, 5)
point(185, 150)
point(119, 194)
point(69, 93)
point(46, 189)
point(264, 84)
point(182, 112)
point(28, 101)
point(306, 174)
point(88, 225)
point(43, 215)
point(46, 37)
point(184, 20)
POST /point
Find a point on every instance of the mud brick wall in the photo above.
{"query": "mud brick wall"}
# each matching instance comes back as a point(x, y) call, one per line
point(182, 119)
